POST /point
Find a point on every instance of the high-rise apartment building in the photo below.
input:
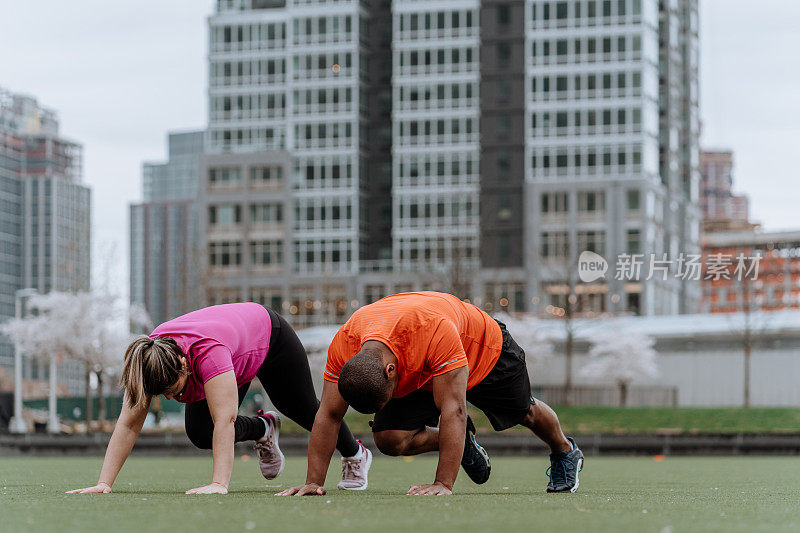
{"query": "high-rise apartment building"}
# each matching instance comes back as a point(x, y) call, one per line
point(528, 131)
point(611, 162)
point(165, 253)
point(436, 150)
point(44, 214)
point(357, 148)
point(295, 180)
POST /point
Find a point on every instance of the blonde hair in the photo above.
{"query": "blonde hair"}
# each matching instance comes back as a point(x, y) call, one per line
point(151, 366)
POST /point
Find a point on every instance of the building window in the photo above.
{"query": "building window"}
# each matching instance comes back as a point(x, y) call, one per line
point(270, 297)
point(503, 90)
point(593, 241)
point(554, 202)
point(632, 197)
point(503, 163)
point(503, 53)
point(503, 15)
point(222, 175)
point(266, 253)
point(224, 215)
point(591, 202)
point(266, 213)
point(633, 241)
point(562, 12)
point(373, 293)
point(223, 254)
point(503, 245)
point(504, 209)
point(262, 175)
point(554, 244)
point(503, 126)
point(633, 302)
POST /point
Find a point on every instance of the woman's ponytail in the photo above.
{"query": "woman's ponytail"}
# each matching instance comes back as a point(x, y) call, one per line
point(151, 366)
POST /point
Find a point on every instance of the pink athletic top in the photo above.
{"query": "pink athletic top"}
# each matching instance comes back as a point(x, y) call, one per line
point(218, 339)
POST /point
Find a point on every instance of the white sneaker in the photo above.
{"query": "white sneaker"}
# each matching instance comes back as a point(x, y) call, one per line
point(355, 471)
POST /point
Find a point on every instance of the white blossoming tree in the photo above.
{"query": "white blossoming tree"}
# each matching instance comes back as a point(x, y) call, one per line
point(529, 333)
point(91, 328)
point(621, 356)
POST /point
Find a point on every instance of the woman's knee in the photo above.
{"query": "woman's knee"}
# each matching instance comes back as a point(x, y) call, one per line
point(200, 435)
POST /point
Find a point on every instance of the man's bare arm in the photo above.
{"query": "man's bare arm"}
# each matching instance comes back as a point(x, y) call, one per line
point(450, 395)
point(322, 442)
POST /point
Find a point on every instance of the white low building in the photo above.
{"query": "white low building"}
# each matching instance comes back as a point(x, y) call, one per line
point(700, 355)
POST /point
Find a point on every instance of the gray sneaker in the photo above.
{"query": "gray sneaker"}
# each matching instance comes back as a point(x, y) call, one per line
point(270, 458)
point(564, 468)
point(355, 471)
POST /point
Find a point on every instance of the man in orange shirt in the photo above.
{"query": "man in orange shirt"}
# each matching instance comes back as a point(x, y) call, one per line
point(415, 360)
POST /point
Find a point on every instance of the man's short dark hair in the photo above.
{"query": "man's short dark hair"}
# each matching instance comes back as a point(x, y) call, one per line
point(363, 382)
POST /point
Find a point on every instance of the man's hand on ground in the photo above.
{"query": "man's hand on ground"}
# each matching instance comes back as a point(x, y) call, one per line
point(437, 489)
point(311, 489)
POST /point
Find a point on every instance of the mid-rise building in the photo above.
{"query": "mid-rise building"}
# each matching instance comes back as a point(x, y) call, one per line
point(721, 209)
point(750, 271)
point(166, 270)
point(45, 222)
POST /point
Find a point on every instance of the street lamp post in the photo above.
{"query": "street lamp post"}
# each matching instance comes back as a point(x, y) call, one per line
point(52, 412)
point(17, 423)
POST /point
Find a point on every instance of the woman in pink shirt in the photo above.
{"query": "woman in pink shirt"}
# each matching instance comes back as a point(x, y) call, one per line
point(207, 359)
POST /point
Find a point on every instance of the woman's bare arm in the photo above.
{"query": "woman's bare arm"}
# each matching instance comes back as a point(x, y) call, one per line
point(222, 394)
point(127, 429)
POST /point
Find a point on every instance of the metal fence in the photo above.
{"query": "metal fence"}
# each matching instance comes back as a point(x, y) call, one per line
point(606, 396)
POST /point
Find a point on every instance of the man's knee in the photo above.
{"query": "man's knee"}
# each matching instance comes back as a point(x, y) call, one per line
point(392, 443)
point(529, 419)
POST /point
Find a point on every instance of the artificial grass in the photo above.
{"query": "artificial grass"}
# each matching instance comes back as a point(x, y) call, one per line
point(616, 494)
point(638, 420)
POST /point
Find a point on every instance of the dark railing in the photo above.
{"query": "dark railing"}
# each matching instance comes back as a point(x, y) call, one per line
point(608, 396)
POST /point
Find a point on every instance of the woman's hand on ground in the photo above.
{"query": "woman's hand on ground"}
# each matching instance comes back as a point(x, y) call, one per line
point(311, 489)
point(100, 488)
point(437, 489)
point(213, 488)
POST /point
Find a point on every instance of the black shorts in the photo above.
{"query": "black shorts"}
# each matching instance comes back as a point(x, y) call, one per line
point(504, 396)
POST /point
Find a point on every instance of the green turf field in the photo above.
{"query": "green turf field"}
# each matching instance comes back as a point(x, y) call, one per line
point(616, 494)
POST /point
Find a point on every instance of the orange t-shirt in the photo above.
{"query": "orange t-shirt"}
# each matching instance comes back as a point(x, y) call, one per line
point(430, 333)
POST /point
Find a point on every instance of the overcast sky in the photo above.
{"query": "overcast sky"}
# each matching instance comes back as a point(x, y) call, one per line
point(122, 74)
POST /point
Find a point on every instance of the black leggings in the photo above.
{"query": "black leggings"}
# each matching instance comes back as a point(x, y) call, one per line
point(286, 377)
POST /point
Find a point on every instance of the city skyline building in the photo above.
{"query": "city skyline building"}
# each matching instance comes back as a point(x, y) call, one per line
point(722, 210)
point(735, 282)
point(436, 134)
point(611, 149)
point(165, 262)
point(45, 217)
point(296, 176)
point(359, 148)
